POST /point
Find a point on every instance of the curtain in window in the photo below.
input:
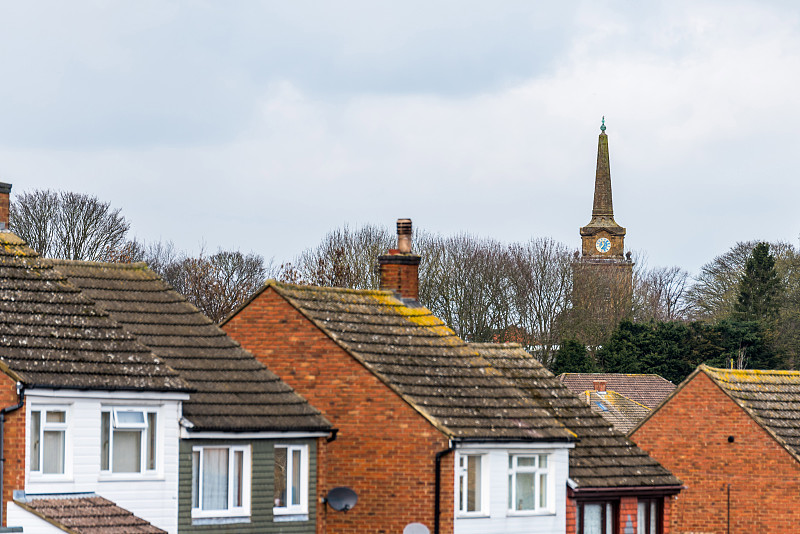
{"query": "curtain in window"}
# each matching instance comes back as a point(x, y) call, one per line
point(280, 477)
point(53, 457)
point(296, 477)
point(593, 519)
point(215, 479)
point(127, 456)
point(473, 483)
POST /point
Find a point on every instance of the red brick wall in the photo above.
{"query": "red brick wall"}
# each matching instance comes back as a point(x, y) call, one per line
point(397, 274)
point(14, 441)
point(384, 450)
point(689, 436)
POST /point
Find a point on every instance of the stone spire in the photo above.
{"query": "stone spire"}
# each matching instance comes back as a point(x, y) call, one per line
point(603, 208)
point(603, 205)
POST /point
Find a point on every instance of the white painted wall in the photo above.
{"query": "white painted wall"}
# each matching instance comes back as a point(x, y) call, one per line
point(30, 523)
point(153, 497)
point(496, 468)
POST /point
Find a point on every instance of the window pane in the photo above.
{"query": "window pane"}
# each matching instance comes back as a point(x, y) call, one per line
point(36, 430)
point(542, 490)
point(53, 452)
point(127, 451)
point(215, 479)
point(238, 472)
point(105, 436)
point(592, 519)
point(653, 517)
point(474, 484)
point(525, 491)
point(462, 497)
point(151, 441)
point(280, 477)
point(296, 477)
point(528, 461)
point(641, 518)
point(130, 418)
point(195, 479)
point(609, 518)
point(56, 417)
point(543, 461)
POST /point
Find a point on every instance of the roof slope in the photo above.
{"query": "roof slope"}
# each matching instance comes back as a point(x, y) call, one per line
point(52, 336)
point(772, 398)
point(646, 389)
point(422, 360)
point(617, 409)
point(88, 515)
point(604, 457)
point(234, 392)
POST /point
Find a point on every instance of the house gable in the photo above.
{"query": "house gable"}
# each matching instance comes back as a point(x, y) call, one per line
point(379, 432)
point(690, 435)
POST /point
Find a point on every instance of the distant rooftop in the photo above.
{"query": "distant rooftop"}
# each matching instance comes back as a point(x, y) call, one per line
point(646, 389)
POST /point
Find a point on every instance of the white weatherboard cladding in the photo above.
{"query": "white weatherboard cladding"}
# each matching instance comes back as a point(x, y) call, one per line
point(18, 517)
point(496, 468)
point(153, 497)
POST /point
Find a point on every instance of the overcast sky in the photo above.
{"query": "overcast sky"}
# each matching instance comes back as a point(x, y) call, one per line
point(261, 126)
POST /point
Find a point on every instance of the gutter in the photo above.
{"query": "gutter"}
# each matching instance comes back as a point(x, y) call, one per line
point(437, 504)
point(3, 412)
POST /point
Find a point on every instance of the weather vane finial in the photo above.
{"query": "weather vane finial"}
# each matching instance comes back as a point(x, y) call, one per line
point(603, 124)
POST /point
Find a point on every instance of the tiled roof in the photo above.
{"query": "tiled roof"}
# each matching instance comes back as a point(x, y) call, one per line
point(772, 398)
point(648, 390)
point(234, 392)
point(617, 409)
point(415, 354)
point(604, 457)
point(88, 515)
point(52, 336)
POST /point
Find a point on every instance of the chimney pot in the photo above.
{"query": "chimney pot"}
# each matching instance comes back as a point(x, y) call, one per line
point(599, 386)
point(5, 204)
point(404, 231)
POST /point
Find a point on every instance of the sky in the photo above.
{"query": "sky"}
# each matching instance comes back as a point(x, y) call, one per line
point(261, 126)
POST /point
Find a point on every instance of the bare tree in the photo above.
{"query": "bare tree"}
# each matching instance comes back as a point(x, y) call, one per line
point(66, 225)
point(344, 258)
point(540, 279)
point(660, 294)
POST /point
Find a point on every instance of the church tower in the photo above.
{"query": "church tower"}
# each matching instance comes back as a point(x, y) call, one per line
point(603, 273)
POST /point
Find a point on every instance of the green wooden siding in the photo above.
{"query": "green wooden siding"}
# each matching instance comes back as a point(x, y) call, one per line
point(262, 484)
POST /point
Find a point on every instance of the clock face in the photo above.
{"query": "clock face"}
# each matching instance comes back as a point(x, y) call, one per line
point(603, 244)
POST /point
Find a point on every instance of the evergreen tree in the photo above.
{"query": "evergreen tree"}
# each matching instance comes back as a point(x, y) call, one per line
point(759, 289)
point(572, 357)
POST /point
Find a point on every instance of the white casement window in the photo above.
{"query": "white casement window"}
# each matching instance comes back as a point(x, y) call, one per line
point(529, 483)
point(221, 481)
point(291, 480)
point(472, 475)
point(129, 440)
point(48, 440)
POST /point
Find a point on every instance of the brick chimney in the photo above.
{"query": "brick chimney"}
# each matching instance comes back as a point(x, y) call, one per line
point(400, 267)
point(5, 202)
point(599, 386)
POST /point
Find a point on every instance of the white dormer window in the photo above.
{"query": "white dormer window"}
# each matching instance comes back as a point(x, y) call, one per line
point(529, 484)
point(48, 440)
point(128, 440)
point(291, 480)
point(472, 485)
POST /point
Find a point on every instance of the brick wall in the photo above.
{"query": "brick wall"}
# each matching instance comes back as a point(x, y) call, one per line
point(385, 450)
point(689, 436)
point(14, 441)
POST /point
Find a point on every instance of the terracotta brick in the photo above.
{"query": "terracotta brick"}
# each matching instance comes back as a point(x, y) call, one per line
point(689, 436)
point(385, 450)
point(14, 441)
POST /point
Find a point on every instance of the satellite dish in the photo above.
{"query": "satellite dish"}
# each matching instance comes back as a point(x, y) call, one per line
point(342, 499)
point(416, 528)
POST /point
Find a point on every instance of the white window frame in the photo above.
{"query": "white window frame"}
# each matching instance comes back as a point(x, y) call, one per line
point(115, 423)
point(197, 485)
point(50, 427)
point(296, 509)
point(462, 473)
point(514, 468)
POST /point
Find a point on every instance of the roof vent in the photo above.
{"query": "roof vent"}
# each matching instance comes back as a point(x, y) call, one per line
point(404, 231)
